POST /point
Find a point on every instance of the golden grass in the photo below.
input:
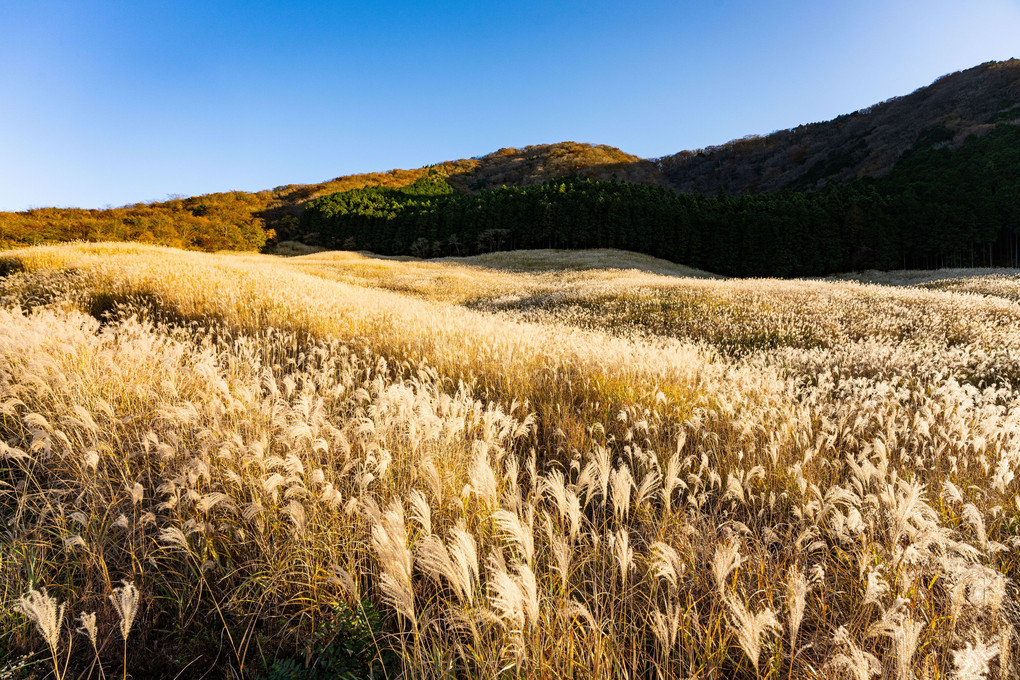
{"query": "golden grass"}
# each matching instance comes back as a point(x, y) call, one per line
point(580, 472)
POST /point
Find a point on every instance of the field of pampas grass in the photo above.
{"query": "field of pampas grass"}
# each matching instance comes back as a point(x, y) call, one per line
point(335, 465)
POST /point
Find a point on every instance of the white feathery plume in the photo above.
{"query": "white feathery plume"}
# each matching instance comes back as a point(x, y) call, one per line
point(505, 595)
point(125, 601)
point(796, 597)
point(481, 478)
point(971, 662)
point(623, 552)
point(389, 539)
point(621, 482)
point(464, 553)
point(421, 512)
point(46, 613)
point(877, 587)
point(514, 528)
point(666, 563)
point(724, 561)
point(750, 627)
point(972, 516)
point(562, 554)
point(666, 625)
point(456, 563)
point(87, 626)
point(854, 660)
point(906, 640)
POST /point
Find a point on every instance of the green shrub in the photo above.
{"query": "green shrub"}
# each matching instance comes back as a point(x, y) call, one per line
point(345, 646)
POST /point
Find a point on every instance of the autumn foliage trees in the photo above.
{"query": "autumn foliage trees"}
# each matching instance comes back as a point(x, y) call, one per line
point(235, 220)
point(214, 222)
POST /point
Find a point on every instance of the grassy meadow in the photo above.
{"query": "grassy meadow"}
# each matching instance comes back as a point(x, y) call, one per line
point(521, 465)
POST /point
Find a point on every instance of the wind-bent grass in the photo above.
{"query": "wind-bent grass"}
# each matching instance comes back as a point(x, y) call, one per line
point(552, 474)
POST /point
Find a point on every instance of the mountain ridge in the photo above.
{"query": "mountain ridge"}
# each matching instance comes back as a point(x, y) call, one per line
point(887, 128)
point(865, 143)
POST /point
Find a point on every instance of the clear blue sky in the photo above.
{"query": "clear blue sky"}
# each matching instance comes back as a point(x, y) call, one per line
point(109, 103)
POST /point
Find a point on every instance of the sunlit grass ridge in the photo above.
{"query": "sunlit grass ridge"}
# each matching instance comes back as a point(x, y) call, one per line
point(551, 474)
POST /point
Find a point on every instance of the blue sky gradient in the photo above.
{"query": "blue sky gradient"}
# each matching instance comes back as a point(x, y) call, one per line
point(116, 102)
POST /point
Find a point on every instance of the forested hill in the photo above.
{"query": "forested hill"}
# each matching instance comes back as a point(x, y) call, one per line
point(866, 143)
point(251, 220)
point(937, 207)
point(927, 179)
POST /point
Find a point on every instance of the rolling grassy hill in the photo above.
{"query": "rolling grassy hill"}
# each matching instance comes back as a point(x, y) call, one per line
point(338, 465)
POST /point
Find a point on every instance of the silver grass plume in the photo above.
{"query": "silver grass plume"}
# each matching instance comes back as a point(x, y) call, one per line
point(87, 626)
point(421, 512)
point(621, 482)
point(623, 552)
point(726, 559)
point(750, 627)
point(519, 531)
point(514, 597)
point(666, 563)
point(125, 601)
point(796, 596)
point(666, 625)
point(971, 662)
point(854, 660)
point(389, 538)
point(457, 562)
point(46, 613)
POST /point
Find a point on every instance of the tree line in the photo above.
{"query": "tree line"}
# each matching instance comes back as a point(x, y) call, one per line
point(937, 207)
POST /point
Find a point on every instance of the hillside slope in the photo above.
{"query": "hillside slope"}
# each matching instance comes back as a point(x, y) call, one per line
point(866, 143)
